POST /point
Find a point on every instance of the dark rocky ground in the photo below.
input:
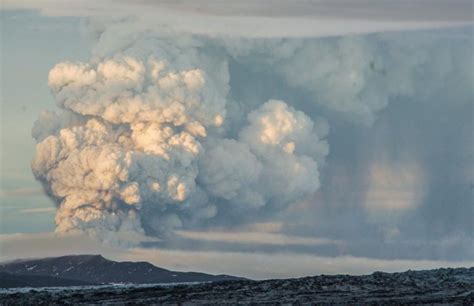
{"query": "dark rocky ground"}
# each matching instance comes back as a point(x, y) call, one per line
point(434, 287)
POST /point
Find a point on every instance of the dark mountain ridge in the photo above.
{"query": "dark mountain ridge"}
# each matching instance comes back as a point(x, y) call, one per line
point(8, 280)
point(95, 269)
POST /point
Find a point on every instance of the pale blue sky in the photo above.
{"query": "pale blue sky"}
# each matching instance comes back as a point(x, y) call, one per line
point(31, 45)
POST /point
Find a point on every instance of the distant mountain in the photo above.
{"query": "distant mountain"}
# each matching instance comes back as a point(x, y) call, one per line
point(95, 269)
point(8, 280)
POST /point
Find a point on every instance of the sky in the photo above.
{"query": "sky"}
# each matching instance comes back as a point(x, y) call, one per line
point(305, 138)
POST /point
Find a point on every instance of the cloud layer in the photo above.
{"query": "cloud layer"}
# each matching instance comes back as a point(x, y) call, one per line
point(256, 265)
point(247, 18)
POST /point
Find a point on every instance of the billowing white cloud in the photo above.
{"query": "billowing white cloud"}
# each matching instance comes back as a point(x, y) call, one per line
point(153, 137)
point(359, 75)
point(141, 145)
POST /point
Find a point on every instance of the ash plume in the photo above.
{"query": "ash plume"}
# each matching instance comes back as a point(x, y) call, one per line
point(151, 137)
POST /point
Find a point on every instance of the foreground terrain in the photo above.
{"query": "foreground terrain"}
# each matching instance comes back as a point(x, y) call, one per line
point(441, 286)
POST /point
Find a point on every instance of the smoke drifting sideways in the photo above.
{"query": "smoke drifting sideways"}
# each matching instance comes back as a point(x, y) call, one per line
point(153, 135)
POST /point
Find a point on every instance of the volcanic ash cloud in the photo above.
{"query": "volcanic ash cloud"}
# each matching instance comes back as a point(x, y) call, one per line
point(140, 147)
point(158, 132)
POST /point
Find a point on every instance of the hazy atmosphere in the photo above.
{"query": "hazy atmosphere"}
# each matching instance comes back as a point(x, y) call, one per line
point(246, 139)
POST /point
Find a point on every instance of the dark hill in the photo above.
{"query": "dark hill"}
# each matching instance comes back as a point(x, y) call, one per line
point(96, 269)
point(8, 280)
